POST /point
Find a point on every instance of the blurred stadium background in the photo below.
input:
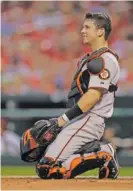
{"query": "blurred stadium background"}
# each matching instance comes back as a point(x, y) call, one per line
point(40, 47)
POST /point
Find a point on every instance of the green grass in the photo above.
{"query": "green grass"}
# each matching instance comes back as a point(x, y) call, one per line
point(124, 171)
point(18, 171)
point(30, 171)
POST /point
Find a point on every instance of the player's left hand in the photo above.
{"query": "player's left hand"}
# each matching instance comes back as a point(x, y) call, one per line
point(45, 131)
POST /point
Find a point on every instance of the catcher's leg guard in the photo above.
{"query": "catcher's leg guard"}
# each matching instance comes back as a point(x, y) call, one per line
point(43, 166)
point(46, 168)
point(87, 162)
point(89, 157)
point(57, 171)
point(111, 169)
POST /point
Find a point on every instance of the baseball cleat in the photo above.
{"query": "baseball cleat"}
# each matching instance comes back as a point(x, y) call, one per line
point(112, 168)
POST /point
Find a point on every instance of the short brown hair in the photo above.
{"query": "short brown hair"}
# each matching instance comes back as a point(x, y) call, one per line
point(102, 20)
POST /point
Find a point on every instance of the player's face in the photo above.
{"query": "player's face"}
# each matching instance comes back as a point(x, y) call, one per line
point(89, 31)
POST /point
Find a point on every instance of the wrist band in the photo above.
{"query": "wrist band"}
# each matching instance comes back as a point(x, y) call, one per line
point(72, 113)
point(64, 116)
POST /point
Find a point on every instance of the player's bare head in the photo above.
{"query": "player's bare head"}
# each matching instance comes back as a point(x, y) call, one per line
point(96, 25)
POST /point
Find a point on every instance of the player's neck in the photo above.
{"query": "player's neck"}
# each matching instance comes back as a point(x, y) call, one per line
point(98, 45)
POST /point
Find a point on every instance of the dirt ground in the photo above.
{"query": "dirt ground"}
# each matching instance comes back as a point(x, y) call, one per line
point(73, 184)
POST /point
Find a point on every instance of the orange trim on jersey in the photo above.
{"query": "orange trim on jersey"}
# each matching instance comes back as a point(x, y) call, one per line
point(71, 138)
point(78, 83)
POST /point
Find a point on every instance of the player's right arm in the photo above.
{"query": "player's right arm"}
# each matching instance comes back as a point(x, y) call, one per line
point(101, 74)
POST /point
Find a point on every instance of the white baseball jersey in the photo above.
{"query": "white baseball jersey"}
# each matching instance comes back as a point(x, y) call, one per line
point(89, 126)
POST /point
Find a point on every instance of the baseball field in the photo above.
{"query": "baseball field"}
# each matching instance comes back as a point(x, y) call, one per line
point(24, 178)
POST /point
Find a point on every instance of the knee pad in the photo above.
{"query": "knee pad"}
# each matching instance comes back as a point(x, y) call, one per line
point(43, 167)
point(90, 147)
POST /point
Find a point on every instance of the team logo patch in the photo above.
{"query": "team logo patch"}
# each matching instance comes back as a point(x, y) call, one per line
point(105, 74)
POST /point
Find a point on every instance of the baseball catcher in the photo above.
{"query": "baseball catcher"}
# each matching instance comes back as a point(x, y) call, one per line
point(70, 145)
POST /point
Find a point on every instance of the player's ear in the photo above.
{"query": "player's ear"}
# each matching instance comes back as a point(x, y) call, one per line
point(101, 32)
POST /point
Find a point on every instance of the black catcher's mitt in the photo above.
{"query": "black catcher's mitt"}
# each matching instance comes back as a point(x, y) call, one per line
point(45, 131)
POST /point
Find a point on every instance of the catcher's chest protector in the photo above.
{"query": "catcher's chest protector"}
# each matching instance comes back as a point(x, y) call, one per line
point(80, 83)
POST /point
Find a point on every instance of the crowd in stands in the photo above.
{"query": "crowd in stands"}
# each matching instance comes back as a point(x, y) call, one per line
point(41, 43)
